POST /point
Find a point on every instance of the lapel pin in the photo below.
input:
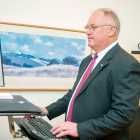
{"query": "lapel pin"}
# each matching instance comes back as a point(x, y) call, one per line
point(101, 65)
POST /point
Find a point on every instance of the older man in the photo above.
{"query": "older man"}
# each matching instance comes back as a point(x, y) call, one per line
point(101, 105)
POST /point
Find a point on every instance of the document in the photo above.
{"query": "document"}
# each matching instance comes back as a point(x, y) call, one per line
point(6, 96)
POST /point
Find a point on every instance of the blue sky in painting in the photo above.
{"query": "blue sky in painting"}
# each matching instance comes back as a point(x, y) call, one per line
point(43, 46)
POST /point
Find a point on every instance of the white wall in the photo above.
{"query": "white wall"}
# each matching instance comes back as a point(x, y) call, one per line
point(69, 14)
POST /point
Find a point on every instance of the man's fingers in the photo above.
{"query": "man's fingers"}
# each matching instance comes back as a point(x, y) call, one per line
point(66, 128)
point(61, 134)
point(43, 109)
point(56, 130)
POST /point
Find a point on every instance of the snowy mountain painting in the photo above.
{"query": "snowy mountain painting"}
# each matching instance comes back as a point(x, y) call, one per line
point(29, 55)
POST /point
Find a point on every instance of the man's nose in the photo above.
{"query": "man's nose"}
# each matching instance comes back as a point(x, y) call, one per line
point(88, 31)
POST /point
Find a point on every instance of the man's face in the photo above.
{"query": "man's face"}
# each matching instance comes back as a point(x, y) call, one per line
point(98, 36)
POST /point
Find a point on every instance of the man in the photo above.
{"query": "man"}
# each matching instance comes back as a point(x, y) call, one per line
point(106, 103)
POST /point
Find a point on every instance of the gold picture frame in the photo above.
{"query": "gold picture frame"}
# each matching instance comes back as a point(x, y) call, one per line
point(29, 84)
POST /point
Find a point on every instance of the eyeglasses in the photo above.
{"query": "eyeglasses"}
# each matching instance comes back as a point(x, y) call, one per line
point(92, 28)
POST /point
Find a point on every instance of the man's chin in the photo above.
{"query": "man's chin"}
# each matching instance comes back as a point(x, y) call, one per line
point(91, 45)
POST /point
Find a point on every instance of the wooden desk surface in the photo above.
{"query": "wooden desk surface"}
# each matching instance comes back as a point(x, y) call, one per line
point(137, 56)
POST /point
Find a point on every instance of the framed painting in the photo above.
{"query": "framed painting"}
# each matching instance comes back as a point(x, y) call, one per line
point(39, 57)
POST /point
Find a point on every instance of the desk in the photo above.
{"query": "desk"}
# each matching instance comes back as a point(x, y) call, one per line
point(137, 56)
point(18, 134)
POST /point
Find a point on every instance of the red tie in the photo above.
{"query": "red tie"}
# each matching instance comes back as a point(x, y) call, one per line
point(85, 76)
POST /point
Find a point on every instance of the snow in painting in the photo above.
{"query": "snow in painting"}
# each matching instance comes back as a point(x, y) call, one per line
point(30, 55)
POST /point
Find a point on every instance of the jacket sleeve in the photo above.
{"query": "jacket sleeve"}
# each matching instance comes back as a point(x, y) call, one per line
point(57, 108)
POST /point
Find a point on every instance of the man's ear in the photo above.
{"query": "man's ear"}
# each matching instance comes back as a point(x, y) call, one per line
point(112, 30)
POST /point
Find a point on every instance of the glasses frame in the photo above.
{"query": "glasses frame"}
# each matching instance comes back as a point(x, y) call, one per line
point(92, 27)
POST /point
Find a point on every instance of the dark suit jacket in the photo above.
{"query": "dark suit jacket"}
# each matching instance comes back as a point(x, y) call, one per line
point(106, 104)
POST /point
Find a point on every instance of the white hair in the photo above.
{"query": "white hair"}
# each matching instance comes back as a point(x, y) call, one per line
point(113, 18)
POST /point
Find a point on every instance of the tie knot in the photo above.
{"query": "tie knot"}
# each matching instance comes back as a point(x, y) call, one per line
point(95, 56)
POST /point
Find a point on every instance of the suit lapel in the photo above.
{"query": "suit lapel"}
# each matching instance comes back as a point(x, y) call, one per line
point(103, 63)
point(82, 69)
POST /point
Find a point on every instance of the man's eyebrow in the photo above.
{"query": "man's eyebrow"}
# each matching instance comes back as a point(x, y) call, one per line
point(91, 24)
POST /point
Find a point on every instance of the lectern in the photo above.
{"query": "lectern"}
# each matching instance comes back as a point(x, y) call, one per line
point(18, 106)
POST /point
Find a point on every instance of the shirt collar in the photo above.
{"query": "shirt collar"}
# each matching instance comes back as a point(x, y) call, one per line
point(103, 52)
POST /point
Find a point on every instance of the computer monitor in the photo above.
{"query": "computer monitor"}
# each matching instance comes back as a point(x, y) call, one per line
point(2, 84)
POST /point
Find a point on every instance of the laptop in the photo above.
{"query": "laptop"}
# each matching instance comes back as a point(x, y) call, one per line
point(18, 105)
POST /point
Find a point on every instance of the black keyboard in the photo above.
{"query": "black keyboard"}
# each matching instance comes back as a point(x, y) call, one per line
point(39, 129)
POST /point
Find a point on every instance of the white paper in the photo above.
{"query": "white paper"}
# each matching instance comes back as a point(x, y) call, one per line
point(6, 96)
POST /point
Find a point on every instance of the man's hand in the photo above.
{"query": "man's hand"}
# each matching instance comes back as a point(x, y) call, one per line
point(33, 116)
point(43, 109)
point(66, 128)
